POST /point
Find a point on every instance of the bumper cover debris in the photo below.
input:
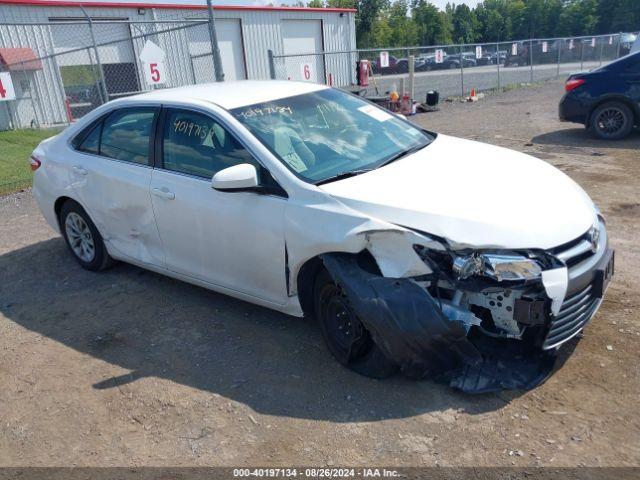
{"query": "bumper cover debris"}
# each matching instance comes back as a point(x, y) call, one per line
point(408, 325)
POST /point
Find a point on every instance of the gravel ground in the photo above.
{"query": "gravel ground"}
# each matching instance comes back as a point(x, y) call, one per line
point(131, 368)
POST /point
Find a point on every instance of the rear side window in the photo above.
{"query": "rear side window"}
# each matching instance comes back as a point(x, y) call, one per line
point(91, 141)
point(126, 133)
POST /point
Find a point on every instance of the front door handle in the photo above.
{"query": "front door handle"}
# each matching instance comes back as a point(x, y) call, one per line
point(163, 193)
point(80, 170)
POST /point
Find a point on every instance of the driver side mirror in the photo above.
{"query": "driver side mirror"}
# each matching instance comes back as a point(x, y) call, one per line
point(238, 177)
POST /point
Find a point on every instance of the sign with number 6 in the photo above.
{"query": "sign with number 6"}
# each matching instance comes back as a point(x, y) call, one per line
point(306, 72)
point(6, 87)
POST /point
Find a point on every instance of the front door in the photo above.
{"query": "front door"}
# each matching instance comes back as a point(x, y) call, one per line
point(233, 240)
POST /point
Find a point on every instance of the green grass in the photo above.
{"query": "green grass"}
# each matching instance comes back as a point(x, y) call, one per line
point(15, 148)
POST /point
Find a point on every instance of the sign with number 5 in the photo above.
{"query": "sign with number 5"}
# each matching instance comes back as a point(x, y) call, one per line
point(6, 87)
point(306, 72)
point(155, 73)
point(152, 57)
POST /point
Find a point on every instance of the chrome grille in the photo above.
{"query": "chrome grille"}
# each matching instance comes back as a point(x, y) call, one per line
point(575, 251)
point(576, 311)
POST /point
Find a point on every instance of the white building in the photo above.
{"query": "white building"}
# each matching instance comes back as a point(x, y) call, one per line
point(63, 76)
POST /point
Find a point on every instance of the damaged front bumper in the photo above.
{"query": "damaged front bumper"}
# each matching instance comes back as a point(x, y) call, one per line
point(478, 335)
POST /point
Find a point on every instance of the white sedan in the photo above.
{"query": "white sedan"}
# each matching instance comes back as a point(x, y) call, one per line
point(413, 249)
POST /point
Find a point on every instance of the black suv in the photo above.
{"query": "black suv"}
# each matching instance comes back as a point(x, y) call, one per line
point(606, 100)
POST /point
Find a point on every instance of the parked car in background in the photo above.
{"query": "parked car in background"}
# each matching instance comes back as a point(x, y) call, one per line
point(627, 41)
point(606, 100)
point(392, 68)
point(453, 61)
point(311, 201)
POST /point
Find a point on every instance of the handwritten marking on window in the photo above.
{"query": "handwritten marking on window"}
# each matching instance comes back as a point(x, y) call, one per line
point(190, 128)
point(259, 112)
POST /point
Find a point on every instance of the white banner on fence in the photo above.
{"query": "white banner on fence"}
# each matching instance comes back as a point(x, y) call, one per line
point(152, 57)
point(439, 56)
point(478, 52)
point(306, 72)
point(571, 44)
point(514, 49)
point(384, 59)
point(593, 42)
point(545, 47)
point(7, 91)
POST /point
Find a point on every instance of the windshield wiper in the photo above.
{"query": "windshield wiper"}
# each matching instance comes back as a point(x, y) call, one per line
point(401, 154)
point(341, 175)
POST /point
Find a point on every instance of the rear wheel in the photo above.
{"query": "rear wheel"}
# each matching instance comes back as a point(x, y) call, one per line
point(345, 335)
point(82, 238)
point(611, 121)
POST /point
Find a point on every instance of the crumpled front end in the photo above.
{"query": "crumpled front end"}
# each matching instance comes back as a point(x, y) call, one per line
point(481, 320)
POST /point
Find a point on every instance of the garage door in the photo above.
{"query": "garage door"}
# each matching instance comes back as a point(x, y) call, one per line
point(303, 37)
point(229, 32)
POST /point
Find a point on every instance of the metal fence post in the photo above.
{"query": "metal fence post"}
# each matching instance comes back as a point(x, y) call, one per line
point(461, 72)
point(33, 104)
point(560, 44)
point(601, 48)
point(498, 63)
point(412, 60)
point(95, 48)
point(217, 61)
point(531, 60)
point(272, 65)
point(581, 55)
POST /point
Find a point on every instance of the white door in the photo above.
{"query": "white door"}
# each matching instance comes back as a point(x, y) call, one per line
point(233, 240)
point(111, 172)
point(229, 33)
point(301, 38)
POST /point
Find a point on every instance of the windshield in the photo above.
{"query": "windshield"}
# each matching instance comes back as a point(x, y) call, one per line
point(329, 133)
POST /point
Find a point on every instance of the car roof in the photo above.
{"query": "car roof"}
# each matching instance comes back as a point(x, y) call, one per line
point(231, 94)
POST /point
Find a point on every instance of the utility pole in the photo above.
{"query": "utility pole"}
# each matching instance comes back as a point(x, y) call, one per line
point(217, 61)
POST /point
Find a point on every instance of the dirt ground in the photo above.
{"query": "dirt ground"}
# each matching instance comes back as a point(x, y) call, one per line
point(127, 367)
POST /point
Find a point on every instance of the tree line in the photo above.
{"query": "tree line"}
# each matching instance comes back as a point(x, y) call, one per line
point(387, 23)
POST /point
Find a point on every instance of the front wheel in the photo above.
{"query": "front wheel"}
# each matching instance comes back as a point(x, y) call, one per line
point(345, 335)
point(82, 238)
point(611, 121)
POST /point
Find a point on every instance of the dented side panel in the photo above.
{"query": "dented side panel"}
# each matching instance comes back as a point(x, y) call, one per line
point(116, 196)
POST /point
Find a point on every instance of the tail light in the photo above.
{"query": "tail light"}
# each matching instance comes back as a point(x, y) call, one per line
point(572, 84)
point(35, 163)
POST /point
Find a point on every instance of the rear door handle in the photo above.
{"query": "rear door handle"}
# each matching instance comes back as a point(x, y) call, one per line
point(80, 170)
point(163, 193)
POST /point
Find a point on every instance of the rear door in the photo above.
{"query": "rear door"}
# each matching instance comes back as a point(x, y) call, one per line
point(111, 172)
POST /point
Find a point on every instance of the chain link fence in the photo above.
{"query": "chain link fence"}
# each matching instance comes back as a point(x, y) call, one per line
point(62, 70)
point(454, 70)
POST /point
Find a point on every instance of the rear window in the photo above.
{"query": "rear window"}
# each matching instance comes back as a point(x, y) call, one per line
point(124, 134)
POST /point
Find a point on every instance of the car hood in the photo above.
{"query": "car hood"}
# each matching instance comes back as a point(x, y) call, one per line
point(473, 194)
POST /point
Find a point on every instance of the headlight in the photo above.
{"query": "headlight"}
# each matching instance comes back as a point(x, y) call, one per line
point(496, 266)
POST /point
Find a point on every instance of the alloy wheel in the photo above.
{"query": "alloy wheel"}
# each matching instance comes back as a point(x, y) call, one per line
point(80, 237)
point(611, 121)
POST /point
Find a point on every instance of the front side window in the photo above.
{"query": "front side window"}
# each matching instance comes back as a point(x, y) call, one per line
point(126, 133)
point(328, 133)
point(195, 144)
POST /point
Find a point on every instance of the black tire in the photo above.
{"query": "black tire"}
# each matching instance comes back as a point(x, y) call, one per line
point(347, 339)
point(611, 121)
point(73, 213)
